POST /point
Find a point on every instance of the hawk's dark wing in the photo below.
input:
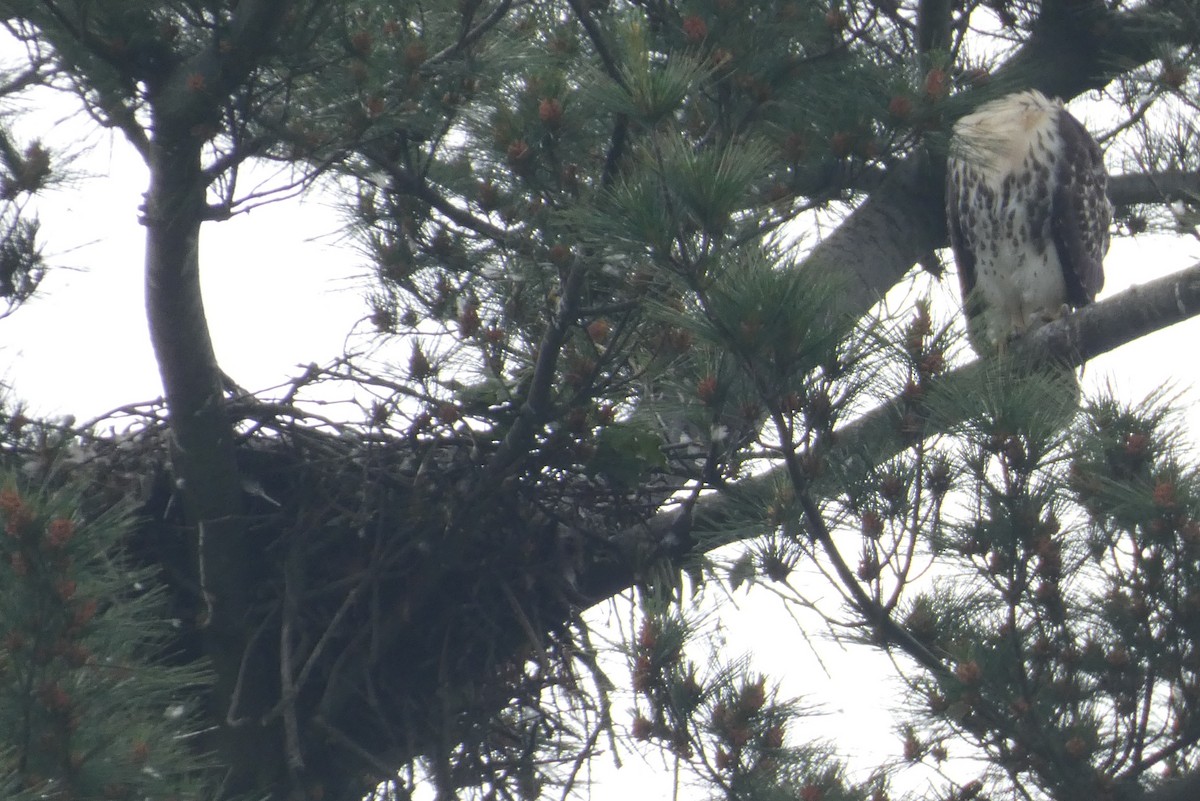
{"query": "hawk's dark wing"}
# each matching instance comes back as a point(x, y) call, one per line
point(1080, 212)
point(958, 218)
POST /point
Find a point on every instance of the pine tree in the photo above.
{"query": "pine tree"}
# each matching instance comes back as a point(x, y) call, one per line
point(91, 706)
point(588, 223)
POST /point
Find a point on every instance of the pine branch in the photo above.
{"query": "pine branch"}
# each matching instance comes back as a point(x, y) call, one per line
point(1088, 333)
point(535, 409)
point(611, 66)
point(107, 75)
point(405, 182)
point(986, 721)
point(885, 629)
point(469, 37)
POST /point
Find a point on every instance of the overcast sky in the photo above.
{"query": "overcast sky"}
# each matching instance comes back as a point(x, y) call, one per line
point(283, 290)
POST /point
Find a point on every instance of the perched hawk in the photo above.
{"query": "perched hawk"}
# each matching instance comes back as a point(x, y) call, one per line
point(1028, 216)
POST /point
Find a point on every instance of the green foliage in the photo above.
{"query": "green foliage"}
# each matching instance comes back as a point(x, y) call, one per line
point(1066, 605)
point(775, 318)
point(729, 724)
point(22, 266)
point(90, 705)
point(22, 173)
point(650, 89)
point(574, 211)
point(625, 453)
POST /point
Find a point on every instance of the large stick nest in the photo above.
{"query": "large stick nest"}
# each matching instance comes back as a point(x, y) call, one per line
point(412, 604)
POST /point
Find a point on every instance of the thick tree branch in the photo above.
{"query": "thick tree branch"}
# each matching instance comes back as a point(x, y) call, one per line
point(1082, 336)
point(1133, 314)
point(1126, 189)
point(1184, 788)
point(1153, 187)
point(720, 519)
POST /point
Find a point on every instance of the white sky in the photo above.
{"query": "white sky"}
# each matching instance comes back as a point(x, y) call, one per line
point(282, 291)
point(279, 291)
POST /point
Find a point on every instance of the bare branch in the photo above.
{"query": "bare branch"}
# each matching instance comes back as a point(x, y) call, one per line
point(1153, 187)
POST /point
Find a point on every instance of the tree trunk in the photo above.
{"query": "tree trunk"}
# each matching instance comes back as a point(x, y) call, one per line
point(202, 452)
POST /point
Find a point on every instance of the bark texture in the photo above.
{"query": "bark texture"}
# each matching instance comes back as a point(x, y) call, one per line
point(185, 104)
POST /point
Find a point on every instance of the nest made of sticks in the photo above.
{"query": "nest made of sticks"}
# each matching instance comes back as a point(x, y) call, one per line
point(427, 607)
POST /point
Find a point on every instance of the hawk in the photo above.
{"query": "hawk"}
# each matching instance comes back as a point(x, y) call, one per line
point(1028, 213)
